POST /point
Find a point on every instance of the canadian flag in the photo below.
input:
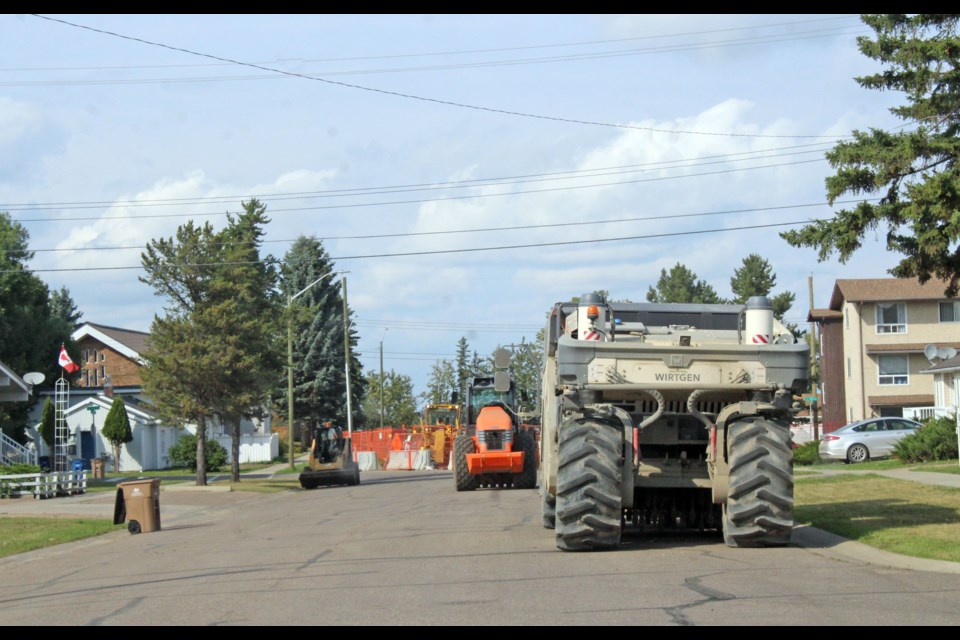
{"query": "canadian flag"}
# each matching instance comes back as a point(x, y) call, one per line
point(65, 360)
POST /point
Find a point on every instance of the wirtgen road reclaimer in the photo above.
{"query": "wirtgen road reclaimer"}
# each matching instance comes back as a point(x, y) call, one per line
point(331, 459)
point(668, 416)
point(493, 450)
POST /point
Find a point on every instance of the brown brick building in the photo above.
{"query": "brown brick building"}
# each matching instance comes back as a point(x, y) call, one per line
point(109, 353)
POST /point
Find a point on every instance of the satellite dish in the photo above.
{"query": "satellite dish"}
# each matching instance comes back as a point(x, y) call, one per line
point(930, 351)
point(33, 378)
point(945, 353)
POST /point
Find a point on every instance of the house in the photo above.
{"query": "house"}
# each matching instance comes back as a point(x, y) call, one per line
point(109, 354)
point(13, 388)
point(946, 382)
point(110, 361)
point(874, 337)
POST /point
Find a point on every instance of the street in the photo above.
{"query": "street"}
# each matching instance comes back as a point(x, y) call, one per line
point(405, 549)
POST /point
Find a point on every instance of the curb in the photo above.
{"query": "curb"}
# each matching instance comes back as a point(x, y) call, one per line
point(839, 548)
point(192, 487)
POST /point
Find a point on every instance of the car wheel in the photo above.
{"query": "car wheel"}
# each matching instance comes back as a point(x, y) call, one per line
point(857, 453)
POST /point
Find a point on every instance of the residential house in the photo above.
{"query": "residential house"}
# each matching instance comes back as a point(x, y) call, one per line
point(110, 361)
point(874, 337)
point(946, 382)
point(13, 388)
point(109, 354)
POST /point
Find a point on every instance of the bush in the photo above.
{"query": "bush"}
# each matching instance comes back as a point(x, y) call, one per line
point(935, 440)
point(807, 454)
point(18, 469)
point(184, 453)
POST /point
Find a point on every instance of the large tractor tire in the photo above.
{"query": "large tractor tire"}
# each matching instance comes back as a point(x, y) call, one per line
point(759, 507)
point(548, 509)
point(589, 512)
point(462, 445)
point(527, 479)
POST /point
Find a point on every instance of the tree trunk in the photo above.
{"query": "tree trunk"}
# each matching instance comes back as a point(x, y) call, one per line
point(202, 452)
point(116, 458)
point(235, 447)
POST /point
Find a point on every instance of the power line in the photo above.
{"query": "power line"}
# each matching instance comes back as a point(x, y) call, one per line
point(571, 57)
point(465, 250)
point(567, 174)
point(448, 53)
point(423, 200)
point(409, 234)
point(421, 98)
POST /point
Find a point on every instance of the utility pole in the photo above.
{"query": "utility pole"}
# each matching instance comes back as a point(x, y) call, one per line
point(346, 355)
point(381, 375)
point(814, 406)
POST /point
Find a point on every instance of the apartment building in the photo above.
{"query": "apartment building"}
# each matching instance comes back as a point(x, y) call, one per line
point(877, 338)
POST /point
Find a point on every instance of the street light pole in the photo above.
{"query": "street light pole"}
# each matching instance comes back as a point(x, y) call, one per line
point(381, 375)
point(290, 300)
point(346, 356)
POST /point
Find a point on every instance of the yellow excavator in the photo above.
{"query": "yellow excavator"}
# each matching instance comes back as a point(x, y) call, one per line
point(331, 459)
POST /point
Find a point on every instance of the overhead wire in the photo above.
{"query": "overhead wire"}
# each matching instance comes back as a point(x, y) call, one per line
point(422, 98)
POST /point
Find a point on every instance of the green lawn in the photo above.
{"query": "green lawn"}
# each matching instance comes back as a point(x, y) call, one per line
point(26, 534)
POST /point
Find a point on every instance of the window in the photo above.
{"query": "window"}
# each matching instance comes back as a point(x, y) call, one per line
point(848, 368)
point(950, 312)
point(103, 372)
point(891, 317)
point(893, 369)
point(846, 318)
point(86, 378)
point(103, 356)
point(94, 377)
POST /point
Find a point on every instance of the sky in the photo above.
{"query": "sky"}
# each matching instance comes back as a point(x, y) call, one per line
point(465, 172)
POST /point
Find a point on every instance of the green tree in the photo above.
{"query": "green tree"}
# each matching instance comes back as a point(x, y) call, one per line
point(63, 307)
point(30, 333)
point(463, 367)
point(441, 384)
point(755, 277)
point(116, 429)
point(526, 364)
point(908, 176)
point(246, 292)
point(399, 400)
point(48, 423)
point(681, 285)
point(319, 372)
point(479, 366)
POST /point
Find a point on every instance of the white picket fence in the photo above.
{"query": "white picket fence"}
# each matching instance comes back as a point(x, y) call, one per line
point(43, 485)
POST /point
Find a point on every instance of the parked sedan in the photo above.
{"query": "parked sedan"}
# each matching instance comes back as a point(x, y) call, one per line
point(860, 441)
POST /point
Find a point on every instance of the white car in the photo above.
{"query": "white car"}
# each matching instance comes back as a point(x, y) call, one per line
point(861, 441)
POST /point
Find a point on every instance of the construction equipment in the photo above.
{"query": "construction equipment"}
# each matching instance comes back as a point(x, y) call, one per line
point(668, 416)
point(439, 423)
point(492, 450)
point(331, 459)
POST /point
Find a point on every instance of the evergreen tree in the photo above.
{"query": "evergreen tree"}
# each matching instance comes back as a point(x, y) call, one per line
point(463, 367)
point(48, 423)
point(319, 371)
point(63, 307)
point(908, 176)
point(755, 277)
point(116, 429)
point(681, 285)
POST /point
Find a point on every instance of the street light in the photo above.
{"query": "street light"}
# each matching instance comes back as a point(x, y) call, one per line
point(290, 300)
point(381, 375)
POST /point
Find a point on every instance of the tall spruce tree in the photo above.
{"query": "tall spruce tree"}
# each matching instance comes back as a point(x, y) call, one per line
point(907, 176)
point(755, 277)
point(319, 371)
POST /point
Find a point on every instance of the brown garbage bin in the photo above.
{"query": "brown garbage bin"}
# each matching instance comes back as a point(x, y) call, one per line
point(96, 469)
point(138, 502)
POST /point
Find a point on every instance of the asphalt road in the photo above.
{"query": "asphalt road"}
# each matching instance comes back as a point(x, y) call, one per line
point(405, 549)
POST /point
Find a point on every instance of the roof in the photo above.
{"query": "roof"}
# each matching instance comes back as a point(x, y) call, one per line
point(823, 314)
point(915, 400)
point(12, 386)
point(946, 366)
point(878, 289)
point(129, 343)
point(905, 347)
